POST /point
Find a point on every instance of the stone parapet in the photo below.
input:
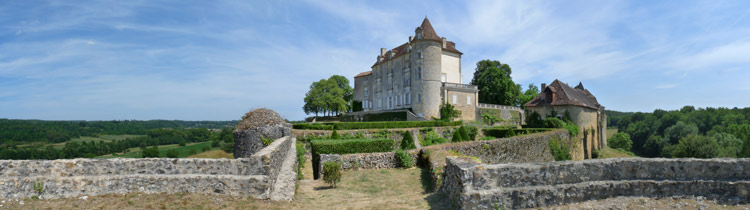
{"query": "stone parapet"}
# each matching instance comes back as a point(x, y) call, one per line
point(252, 176)
point(531, 185)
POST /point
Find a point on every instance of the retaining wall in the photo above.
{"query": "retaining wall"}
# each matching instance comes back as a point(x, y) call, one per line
point(531, 185)
point(253, 176)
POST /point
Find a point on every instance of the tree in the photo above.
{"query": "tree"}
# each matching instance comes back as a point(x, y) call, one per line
point(529, 94)
point(495, 84)
point(620, 140)
point(730, 146)
point(151, 152)
point(465, 134)
point(448, 112)
point(653, 146)
point(696, 146)
point(680, 130)
point(328, 96)
point(172, 153)
point(407, 142)
point(332, 172)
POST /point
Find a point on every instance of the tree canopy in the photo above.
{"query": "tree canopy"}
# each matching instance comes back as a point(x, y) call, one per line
point(495, 84)
point(328, 96)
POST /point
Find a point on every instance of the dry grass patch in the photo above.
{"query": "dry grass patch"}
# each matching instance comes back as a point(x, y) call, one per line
point(216, 154)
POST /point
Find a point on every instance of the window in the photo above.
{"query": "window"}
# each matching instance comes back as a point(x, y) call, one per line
point(455, 98)
point(468, 100)
point(419, 98)
point(419, 72)
point(443, 77)
point(365, 92)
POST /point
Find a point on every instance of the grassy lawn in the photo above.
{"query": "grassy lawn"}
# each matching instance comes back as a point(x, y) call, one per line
point(610, 132)
point(182, 151)
point(102, 138)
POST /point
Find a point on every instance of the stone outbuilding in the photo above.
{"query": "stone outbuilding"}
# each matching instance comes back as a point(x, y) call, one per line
point(585, 111)
point(255, 126)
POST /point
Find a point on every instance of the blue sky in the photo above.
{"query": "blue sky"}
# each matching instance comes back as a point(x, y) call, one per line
point(215, 60)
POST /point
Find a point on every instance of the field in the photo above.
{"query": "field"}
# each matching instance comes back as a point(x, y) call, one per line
point(102, 138)
point(610, 132)
point(182, 151)
point(216, 153)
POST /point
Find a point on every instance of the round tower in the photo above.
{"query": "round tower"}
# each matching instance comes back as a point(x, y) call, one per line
point(431, 83)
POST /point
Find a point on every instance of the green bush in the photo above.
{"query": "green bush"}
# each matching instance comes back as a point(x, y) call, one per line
point(489, 119)
point(347, 146)
point(503, 132)
point(404, 159)
point(370, 117)
point(456, 137)
point(432, 138)
point(172, 153)
point(553, 122)
point(407, 142)
point(448, 112)
point(206, 148)
point(151, 152)
point(374, 125)
point(332, 173)
point(559, 151)
point(335, 135)
point(473, 131)
point(464, 133)
point(620, 140)
point(572, 129)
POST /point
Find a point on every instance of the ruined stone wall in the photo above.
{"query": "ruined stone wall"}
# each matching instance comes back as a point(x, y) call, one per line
point(531, 185)
point(253, 176)
point(365, 160)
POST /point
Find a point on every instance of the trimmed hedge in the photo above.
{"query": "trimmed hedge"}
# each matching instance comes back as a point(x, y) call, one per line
point(506, 132)
point(312, 126)
point(347, 146)
point(373, 125)
point(385, 116)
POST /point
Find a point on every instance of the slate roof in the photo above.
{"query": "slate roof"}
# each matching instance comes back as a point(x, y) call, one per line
point(367, 73)
point(564, 95)
point(428, 32)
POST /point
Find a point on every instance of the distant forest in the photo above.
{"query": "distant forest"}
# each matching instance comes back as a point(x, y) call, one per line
point(688, 132)
point(24, 131)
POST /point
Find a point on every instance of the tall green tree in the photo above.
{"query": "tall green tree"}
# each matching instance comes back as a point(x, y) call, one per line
point(328, 96)
point(529, 94)
point(495, 84)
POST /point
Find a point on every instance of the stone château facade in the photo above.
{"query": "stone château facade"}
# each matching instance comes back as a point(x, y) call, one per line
point(419, 75)
point(584, 110)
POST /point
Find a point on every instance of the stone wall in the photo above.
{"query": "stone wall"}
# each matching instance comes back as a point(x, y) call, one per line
point(249, 141)
point(365, 160)
point(531, 185)
point(253, 176)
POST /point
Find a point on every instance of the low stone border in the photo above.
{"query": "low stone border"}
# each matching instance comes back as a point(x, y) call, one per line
point(253, 176)
point(531, 185)
point(365, 160)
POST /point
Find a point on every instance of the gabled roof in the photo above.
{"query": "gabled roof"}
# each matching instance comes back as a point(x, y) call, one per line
point(428, 32)
point(564, 95)
point(367, 73)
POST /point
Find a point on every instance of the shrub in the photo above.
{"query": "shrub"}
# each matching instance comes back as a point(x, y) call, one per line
point(335, 135)
point(620, 140)
point(182, 143)
point(215, 143)
point(432, 138)
point(503, 132)
point(370, 117)
point(172, 153)
point(559, 151)
point(151, 152)
point(511, 133)
point(205, 149)
point(404, 159)
point(448, 112)
point(473, 131)
point(407, 142)
point(332, 173)
point(456, 136)
point(464, 133)
point(595, 154)
point(572, 129)
point(489, 119)
point(534, 120)
point(553, 122)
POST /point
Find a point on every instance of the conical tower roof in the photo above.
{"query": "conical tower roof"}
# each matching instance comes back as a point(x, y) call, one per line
point(427, 31)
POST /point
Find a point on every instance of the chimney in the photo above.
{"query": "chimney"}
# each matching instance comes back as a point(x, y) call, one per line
point(382, 51)
point(544, 85)
point(411, 38)
point(444, 43)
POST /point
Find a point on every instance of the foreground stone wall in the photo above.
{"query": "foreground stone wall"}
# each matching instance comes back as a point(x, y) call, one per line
point(253, 176)
point(530, 185)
